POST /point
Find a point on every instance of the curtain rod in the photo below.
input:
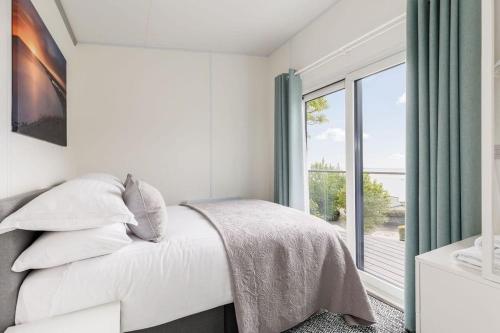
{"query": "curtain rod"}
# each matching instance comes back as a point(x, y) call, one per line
point(354, 44)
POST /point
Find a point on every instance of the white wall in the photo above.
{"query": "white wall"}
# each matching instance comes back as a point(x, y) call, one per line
point(344, 22)
point(192, 124)
point(26, 163)
point(497, 110)
point(242, 134)
point(497, 81)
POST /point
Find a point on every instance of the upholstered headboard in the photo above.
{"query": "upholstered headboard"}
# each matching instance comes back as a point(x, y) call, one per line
point(11, 245)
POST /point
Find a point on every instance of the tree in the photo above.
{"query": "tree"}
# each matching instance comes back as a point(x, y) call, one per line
point(327, 193)
point(324, 187)
point(377, 203)
point(314, 111)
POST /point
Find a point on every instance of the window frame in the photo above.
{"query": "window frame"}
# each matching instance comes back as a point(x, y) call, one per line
point(353, 151)
point(326, 90)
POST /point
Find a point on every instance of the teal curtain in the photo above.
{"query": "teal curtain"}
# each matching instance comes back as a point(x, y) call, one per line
point(281, 160)
point(288, 141)
point(443, 150)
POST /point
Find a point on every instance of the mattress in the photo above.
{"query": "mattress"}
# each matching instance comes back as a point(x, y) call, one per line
point(185, 273)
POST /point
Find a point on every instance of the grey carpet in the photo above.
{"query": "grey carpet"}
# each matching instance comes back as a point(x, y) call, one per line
point(389, 320)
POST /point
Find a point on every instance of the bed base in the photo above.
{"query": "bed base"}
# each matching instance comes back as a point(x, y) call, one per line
point(218, 320)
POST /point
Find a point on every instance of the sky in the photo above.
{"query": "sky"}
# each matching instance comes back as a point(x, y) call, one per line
point(384, 104)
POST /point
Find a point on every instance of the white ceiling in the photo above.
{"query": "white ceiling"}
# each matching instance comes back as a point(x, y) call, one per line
point(254, 27)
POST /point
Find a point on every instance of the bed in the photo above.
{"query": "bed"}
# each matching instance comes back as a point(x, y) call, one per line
point(147, 301)
point(267, 265)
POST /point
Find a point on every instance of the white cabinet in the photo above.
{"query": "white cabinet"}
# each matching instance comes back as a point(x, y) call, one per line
point(454, 298)
point(490, 133)
point(100, 319)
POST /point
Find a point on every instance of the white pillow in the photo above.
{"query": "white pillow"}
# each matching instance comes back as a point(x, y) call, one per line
point(105, 178)
point(61, 247)
point(77, 204)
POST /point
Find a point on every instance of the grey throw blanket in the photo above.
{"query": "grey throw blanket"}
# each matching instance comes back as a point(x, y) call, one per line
point(286, 265)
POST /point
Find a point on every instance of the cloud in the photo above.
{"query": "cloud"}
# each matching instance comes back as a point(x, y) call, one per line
point(402, 99)
point(337, 134)
point(397, 157)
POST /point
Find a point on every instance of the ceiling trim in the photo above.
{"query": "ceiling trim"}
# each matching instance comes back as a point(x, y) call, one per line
point(66, 22)
point(142, 24)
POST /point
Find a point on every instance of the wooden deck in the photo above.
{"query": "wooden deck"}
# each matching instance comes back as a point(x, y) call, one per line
point(384, 258)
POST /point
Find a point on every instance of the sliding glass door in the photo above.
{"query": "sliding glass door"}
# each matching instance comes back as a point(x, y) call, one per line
point(356, 167)
point(325, 132)
point(380, 173)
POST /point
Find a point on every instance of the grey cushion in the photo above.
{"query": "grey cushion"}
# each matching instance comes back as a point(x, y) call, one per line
point(148, 207)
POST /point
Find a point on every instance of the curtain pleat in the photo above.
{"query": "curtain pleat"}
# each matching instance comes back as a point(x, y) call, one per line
point(443, 129)
point(289, 141)
point(433, 117)
point(469, 85)
point(281, 160)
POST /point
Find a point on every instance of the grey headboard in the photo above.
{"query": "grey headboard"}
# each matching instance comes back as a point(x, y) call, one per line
point(11, 245)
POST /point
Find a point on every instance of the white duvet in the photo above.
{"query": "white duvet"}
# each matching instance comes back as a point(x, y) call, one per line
point(186, 273)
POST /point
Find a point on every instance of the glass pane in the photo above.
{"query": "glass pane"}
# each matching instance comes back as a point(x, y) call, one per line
point(325, 127)
point(381, 100)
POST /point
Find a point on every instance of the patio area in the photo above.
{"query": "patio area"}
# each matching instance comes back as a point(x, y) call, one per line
point(384, 258)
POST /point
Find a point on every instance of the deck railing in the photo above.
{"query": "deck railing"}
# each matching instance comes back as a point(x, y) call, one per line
point(372, 172)
point(327, 191)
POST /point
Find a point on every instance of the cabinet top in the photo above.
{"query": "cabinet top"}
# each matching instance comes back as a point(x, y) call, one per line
point(442, 259)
